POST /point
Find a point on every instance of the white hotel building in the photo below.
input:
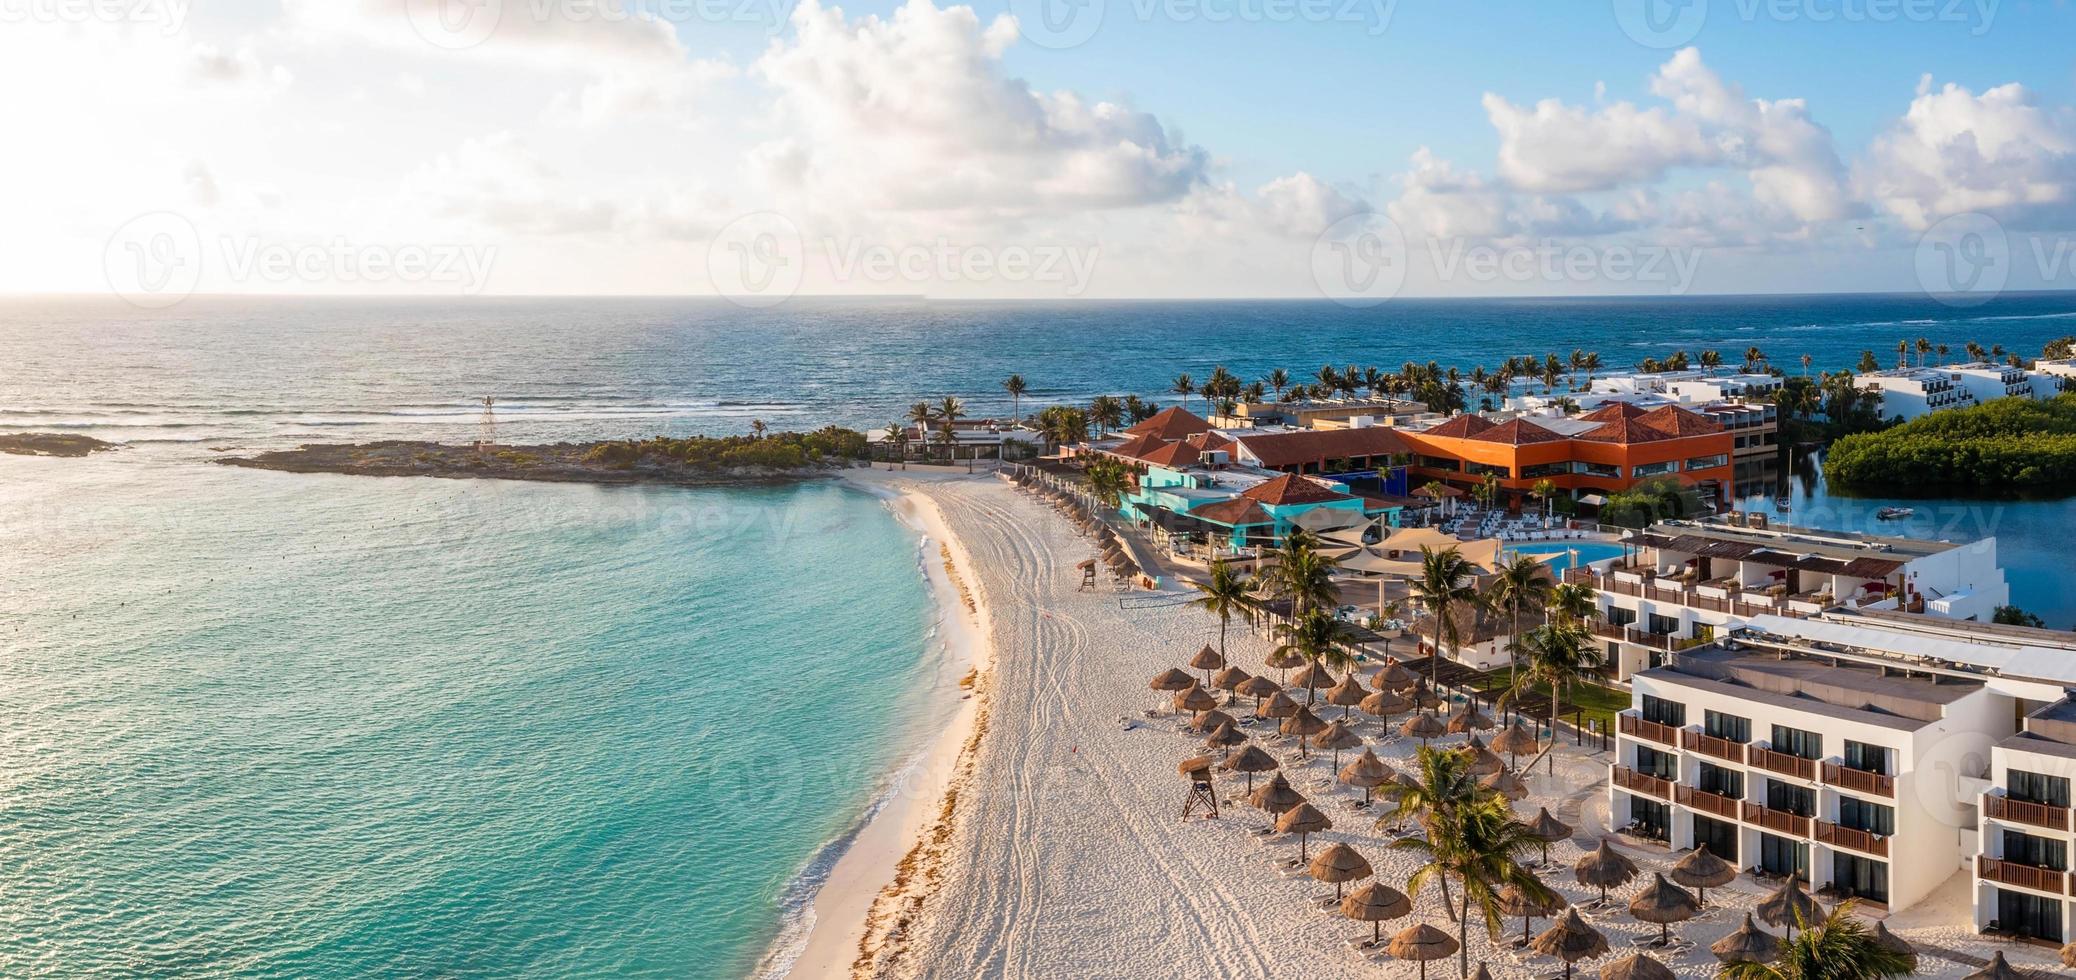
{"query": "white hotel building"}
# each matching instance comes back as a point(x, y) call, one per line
point(1877, 753)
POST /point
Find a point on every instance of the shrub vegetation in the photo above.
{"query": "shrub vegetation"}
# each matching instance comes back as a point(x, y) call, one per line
point(2011, 446)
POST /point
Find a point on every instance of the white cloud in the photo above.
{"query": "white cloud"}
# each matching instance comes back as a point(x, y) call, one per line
point(595, 34)
point(1298, 206)
point(1440, 201)
point(1955, 151)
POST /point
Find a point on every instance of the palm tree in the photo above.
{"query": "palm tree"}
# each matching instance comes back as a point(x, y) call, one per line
point(1441, 783)
point(1315, 637)
point(922, 414)
point(1107, 412)
point(1226, 592)
point(1302, 574)
point(1753, 357)
point(1184, 386)
point(1478, 844)
point(1108, 479)
point(1557, 656)
point(1840, 947)
point(1518, 584)
point(1014, 384)
point(1805, 364)
point(897, 433)
point(1572, 603)
point(949, 412)
point(1711, 360)
point(1278, 379)
point(1902, 354)
point(757, 428)
point(1544, 490)
point(1446, 581)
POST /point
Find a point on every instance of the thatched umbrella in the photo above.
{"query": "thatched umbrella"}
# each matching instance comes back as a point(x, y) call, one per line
point(1506, 783)
point(1225, 737)
point(1257, 687)
point(1173, 679)
point(1702, 870)
point(1570, 939)
point(1894, 943)
point(1749, 944)
point(1605, 868)
point(1376, 903)
point(1516, 741)
point(2068, 954)
point(1636, 966)
point(1335, 737)
point(1469, 719)
point(1425, 697)
point(1997, 969)
point(1788, 905)
point(1548, 829)
point(1422, 726)
point(1250, 760)
point(1384, 704)
point(1338, 864)
point(1194, 699)
point(1207, 660)
point(1276, 796)
point(1367, 772)
point(1208, 721)
point(1481, 973)
point(1302, 723)
point(1304, 820)
point(1393, 677)
point(1230, 679)
point(1482, 760)
point(1514, 901)
point(1283, 660)
point(1348, 693)
point(1664, 903)
point(1279, 706)
point(1420, 944)
point(1313, 678)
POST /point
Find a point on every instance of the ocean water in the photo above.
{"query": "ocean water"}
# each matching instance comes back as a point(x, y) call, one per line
point(268, 725)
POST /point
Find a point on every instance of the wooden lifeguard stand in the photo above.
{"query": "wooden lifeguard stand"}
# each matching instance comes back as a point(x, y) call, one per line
point(1202, 795)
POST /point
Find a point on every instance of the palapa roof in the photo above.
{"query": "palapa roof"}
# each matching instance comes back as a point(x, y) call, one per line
point(1482, 760)
point(1225, 736)
point(1313, 677)
point(1570, 939)
point(1277, 705)
point(1780, 907)
point(1195, 699)
point(1258, 687)
point(1998, 969)
point(1422, 725)
point(1303, 818)
point(1337, 863)
point(1303, 722)
point(1375, 902)
point(1515, 902)
point(1173, 422)
point(1206, 659)
point(1422, 942)
point(1393, 677)
point(1277, 795)
point(1209, 720)
point(1748, 944)
point(1701, 868)
point(1547, 828)
point(1516, 740)
point(1605, 867)
point(1661, 902)
point(1348, 693)
point(1366, 771)
point(1290, 489)
point(1172, 679)
point(1336, 736)
point(1384, 704)
point(1283, 658)
point(1469, 719)
point(1506, 783)
point(1636, 966)
point(1230, 678)
point(1250, 759)
point(1889, 940)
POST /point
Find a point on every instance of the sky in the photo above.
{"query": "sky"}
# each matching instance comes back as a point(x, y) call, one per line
point(761, 149)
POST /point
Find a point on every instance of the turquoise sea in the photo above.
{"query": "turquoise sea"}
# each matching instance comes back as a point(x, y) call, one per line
point(267, 725)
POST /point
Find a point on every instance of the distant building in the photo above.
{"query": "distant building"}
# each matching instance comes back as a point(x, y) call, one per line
point(1599, 453)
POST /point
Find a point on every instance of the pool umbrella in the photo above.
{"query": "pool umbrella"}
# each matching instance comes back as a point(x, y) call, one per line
point(1420, 944)
point(1229, 679)
point(1225, 737)
point(1302, 723)
point(1208, 721)
point(1312, 679)
point(1636, 966)
point(1890, 941)
point(1469, 719)
point(1749, 944)
point(1506, 784)
point(1367, 773)
point(1422, 726)
point(1997, 969)
point(1514, 901)
point(1283, 660)
point(1664, 903)
point(1384, 704)
point(1788, 905)
point(1376, 903)
point(1279, 705)
point(1195, 699)
point(1207, 660)
point(1338, 864)
point(1348, 693)
point(1570, 940)
point(1393, 677)
point(1335, 737)
point(1257, 688)
point(1605, 868)
point(1702, 870)
point(1304, 820)
point(1250, 760)
point(1276, 796)
point(1482, 761)
point(1547, 829)
point(1516, 741)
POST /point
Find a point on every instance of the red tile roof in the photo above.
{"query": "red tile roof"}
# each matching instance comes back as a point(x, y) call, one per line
point(1461, 427)
point(1276, 450)
point(1171, 423)
point(1233, 512)
point(1515, 432)
point(1136, 447)
point(1292, 489)
point(1211, 439)
point(1174, 455)
point(1624, 431)
point(1613, 412)
point(1677, 421)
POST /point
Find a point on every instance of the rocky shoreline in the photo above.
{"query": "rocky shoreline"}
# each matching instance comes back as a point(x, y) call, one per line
point(52, 444)
point(562, 462)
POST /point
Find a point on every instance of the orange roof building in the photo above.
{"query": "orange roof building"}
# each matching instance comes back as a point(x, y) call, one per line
point(1627, 446)
point(1170, 424)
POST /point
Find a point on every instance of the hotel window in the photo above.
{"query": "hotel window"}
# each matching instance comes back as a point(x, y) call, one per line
point(1720, 781)
point(1655, 469)
point(1487, 469)
point(1707, 462)
point(1873, 818)
point(1866, 758)
point(1652, 762)
point(1540, 470)
point(1789, 798)
point(1781, 856)
point(1719, 837)
point(1859, 877)
point(1618, 616)
point(1664, 625)
point(1597, 469)
point(1796, 742)
point(2039, 852)
point(1437, 463)
point(2029, 915)
point(2032, 787)
point(1651, 817)
point(1657, 709)
point(1724, 726)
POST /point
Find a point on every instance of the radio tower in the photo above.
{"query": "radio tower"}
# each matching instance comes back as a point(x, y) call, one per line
point(486, 435)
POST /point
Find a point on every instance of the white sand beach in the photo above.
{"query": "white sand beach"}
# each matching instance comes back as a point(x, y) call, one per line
point(1060, 852)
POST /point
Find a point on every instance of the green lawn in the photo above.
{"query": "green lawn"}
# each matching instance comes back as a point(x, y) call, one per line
point(1600, 703)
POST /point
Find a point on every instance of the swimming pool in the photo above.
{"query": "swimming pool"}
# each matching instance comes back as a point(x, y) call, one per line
point(1558, 554)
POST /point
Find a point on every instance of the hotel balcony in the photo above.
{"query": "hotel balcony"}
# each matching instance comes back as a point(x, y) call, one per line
point(2022, 875)
point(2019, 811)
point(1778, 821)
point(1709, 745)
point(1859, 780)
point(1665, 735)
point(1782, 763)
point(1850, 839)
point(1645, 783)
point(1714, 804)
